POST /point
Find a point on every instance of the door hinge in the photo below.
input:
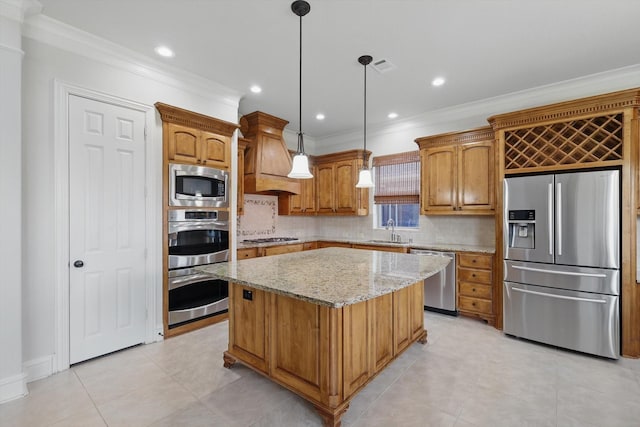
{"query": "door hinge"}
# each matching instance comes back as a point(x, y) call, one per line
point(145, 133)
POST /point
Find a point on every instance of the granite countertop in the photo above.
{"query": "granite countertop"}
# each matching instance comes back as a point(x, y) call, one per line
point(444, 247)
point(334, 277)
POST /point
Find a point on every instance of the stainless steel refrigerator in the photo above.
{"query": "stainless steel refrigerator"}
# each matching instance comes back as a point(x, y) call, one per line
point(562, 260)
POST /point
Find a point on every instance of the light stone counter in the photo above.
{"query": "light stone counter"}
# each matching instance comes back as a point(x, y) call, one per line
point(333, 277)
point(445, 247)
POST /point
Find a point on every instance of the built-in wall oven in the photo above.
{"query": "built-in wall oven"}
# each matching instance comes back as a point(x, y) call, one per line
point(196, 237)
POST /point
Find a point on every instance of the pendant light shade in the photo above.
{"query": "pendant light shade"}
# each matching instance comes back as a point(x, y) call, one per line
point(300, 167)
point(365, 180)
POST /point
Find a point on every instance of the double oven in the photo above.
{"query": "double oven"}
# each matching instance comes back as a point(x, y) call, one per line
point(198, 234)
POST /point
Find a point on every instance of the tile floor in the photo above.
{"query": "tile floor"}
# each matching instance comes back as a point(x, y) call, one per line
point(468, 375)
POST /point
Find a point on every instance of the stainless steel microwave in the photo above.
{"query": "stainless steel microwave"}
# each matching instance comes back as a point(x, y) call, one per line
point(198, 186)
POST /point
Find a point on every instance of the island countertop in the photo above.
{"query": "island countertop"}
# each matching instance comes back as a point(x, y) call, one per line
point(333, 277)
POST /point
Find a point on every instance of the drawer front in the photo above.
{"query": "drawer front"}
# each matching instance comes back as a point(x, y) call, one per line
point(309, 245)
point(474, 304)
point(475, 261)
point(283, 249)
point(477, 276)
point(247, 253)
point(475, 290)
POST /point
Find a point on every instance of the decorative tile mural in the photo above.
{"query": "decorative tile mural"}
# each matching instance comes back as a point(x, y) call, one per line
point(260, 216)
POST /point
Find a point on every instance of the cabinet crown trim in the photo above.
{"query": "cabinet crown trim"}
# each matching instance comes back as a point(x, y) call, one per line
point(171, 114)
point(590, 106)
point(473, 135)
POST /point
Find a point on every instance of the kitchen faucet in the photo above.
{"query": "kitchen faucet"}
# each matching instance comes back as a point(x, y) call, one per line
point(394, 237)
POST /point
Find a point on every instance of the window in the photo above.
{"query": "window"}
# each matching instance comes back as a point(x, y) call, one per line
point(397, 189)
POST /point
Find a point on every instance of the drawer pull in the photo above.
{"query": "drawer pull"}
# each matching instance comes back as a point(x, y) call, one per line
point(473, 275)
point(473, 304)
point(473, 289)
point(473, 261)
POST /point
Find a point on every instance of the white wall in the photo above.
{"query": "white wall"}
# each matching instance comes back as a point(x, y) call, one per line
point(101, 67)
point(12, 379)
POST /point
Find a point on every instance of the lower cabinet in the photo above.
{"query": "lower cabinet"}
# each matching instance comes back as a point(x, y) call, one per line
point(246, 253)
point(400, 249)
point(474, 272)
point(324, 354)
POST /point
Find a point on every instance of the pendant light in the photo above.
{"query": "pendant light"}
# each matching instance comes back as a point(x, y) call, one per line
point(300, 167)
point(364, 179)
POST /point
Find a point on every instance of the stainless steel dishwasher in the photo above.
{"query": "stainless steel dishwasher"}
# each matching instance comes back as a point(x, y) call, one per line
point(440, 289)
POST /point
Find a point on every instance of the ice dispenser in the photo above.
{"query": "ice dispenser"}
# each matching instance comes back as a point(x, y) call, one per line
point(522, 229)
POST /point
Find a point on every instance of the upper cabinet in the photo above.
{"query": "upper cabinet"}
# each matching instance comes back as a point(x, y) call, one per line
point(332, 190)
point(457, 173)
point(189, 145)
point(194, 138)
point(305, 202)
point(242, 146)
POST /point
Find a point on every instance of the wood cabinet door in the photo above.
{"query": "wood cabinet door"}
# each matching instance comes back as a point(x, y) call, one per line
point(416, 313)
point(382, 331)
point(308, 195)
point(325, 188)
point(182, 144)
point(248, 329)
point(357, 369)
point(345, 187)
point(214, 150)
point(438, 186)
point(476, 177)
point(402, 319)
point(297, 351)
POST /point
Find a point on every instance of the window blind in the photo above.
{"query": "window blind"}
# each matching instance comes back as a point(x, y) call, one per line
point(397, 178)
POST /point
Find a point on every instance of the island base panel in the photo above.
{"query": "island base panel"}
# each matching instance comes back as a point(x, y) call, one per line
point(338, 368)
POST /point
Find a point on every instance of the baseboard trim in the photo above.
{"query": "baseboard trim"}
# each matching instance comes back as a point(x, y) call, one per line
point(37, 369)
point(13, 387)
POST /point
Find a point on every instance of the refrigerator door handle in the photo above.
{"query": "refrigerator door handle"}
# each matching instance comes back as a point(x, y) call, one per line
point(550, 217)
point(564, 273)
point(525, 291)
point(559, 217)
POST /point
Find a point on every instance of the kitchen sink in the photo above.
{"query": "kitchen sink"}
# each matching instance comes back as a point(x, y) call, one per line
point(385, 242)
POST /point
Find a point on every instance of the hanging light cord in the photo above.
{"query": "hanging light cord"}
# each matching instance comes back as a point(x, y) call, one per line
point(300, 138)
point(364, 153)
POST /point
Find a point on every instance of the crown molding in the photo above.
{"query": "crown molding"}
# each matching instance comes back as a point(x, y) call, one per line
point(477, 113)
point(49, 31)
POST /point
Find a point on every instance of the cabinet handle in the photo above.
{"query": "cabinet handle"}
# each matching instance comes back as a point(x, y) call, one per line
point(473, 304)
point(473, 261)
point(473, 289)
point(473, 275)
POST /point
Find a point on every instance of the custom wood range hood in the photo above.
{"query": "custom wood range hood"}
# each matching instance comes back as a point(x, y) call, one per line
point(267, 161)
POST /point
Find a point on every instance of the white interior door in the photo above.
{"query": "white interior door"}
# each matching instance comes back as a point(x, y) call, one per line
point(107, 305)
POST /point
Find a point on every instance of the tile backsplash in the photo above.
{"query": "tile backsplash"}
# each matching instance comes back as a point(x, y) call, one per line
point(261, 219)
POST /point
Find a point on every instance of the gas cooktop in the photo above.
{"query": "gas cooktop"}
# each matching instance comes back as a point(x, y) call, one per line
point(270, 240)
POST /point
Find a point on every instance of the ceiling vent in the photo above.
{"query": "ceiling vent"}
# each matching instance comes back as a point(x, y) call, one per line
point(383, 66)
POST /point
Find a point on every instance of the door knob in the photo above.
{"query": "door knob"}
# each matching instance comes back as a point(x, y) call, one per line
point(78, 263)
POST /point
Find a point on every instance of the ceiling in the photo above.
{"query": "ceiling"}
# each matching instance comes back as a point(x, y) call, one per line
point(483, 48)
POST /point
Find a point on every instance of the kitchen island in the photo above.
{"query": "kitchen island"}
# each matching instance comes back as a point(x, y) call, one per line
point(325, 322)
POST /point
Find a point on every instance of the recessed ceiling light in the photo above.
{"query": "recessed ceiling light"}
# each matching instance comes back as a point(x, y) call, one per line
point(164, 51)
point(256, 89)
point(438, 81)
point(320, 116)
point(392, 115)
